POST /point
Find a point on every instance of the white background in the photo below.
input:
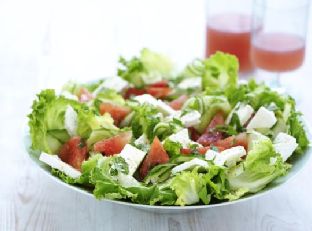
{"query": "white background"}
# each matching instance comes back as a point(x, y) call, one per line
point(44, 43)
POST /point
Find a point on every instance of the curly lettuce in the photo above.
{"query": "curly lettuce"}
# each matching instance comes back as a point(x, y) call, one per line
point(47, 122)
point(261, 167)
point(114, 183)
point(220, 73)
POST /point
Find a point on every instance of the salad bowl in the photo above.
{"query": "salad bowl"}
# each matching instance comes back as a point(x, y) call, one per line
point(154, 139)
point(299, 164)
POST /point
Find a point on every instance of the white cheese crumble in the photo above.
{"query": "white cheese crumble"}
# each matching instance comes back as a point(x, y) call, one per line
point(230, 157)
point(285, 145)
point(190, 119)
point(181, 137)
point(262, 119)
point(189, 164)
point(71, 121)
point(211, 154)
point(133, 157)
point(244, 112)
point(142, 142)
point(191, 83)
point(160, 105)
point(55, 162)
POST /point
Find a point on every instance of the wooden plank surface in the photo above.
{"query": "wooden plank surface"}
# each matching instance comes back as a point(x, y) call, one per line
point(39, 46)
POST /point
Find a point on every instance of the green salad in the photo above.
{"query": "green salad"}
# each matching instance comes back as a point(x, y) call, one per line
point(152, 135)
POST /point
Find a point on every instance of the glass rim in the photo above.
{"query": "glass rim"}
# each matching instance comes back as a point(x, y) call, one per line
point(295, 7)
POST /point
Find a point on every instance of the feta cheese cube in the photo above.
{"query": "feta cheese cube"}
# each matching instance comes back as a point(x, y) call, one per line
point(175, 115)
point(244, 113)
point(165, 108)
point(55, 162)
point(191, 119)
point(142, 142)
point(283, 137)
point(262, 119)
point(230, 157)
point(181, 137)
point(211, 154)
point(71, 121)
point(115, 83)
point(127, 180)
point(133, 157)
point(146, 99)
point(191, 83)
point(189, 164)
point(285, 145)
point(219, 160)
point(160, 105)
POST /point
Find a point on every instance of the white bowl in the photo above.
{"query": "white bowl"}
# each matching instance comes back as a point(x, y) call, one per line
point(297, 162)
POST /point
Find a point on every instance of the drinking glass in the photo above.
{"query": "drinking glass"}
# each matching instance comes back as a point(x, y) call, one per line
point(228, 29)
point(279, 44)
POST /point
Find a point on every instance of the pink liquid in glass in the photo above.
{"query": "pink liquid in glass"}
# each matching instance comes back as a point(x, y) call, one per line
point(230, 33)
point(278, 52)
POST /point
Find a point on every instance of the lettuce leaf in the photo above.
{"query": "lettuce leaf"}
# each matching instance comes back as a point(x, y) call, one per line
point(149, 67)
point(257, 170)
point(46, 122)
point(288, 119)
point(88, 166)
point(172, 148)
point(144, 120)
point(47, 127)
point(97, 170)
point(193, 69)
point(167, 128)
point(159, 173)
point(216, 182)
point(74, 88)
point(190, 188)
point(110, 96)
point(67, 179)
point(98, 128)
point(221, 73)
point(296, 129)
point(257, 95)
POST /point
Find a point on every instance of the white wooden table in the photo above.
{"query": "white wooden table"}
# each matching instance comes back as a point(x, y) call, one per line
point(43, 43)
